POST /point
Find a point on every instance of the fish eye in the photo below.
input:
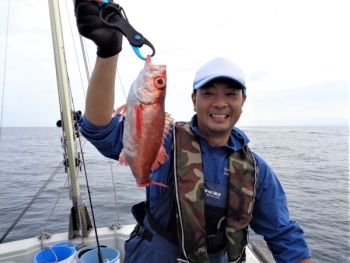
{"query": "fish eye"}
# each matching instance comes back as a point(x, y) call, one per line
point(159, 82)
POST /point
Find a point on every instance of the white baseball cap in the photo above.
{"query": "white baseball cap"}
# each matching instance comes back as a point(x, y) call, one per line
point(219, 68)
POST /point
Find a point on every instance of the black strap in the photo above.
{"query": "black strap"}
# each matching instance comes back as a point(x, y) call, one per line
point(143, 232)
point(164, 233)
point(212, 241)
point(216, 240)
point(138, 211)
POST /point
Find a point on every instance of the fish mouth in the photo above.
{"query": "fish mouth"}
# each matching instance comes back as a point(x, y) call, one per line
point(148, 60)
point(219, 116)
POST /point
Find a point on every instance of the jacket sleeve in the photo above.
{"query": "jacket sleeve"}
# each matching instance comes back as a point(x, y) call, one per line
point(108, 139)
point(271, 219)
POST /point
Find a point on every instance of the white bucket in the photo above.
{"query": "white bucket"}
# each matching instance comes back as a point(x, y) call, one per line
point(90, 255)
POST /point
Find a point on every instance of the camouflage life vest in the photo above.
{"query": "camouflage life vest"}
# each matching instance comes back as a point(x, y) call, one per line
point(189, 188)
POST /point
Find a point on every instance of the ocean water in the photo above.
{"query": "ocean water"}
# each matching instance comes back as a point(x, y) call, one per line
point(312, 164)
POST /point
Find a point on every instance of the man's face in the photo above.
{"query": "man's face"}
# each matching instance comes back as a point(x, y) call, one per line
point(218, 105)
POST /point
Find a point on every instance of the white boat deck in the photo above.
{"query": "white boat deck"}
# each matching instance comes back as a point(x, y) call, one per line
point(24, 251)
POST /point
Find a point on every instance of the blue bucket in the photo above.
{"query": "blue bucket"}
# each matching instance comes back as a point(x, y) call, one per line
point(90, 255)
point(61, 253)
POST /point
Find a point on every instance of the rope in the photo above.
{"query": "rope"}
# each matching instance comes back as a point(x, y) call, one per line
point(3, 82)
point(115, 227)
point(53, 252)
point(43, 236)
point(32, 201)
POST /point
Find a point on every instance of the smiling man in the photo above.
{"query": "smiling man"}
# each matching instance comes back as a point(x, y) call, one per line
point(217, 186)
point(218, 97)
point(218, 105)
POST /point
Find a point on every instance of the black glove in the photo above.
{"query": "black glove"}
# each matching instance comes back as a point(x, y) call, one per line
point(108, 41)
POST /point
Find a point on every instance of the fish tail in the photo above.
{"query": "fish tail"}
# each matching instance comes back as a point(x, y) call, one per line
point(122, 159)
point(152, 182)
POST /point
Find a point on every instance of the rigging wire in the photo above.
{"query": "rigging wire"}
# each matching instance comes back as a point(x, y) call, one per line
point(80, 142)
point(32, 201)
point(3, 81)
point(53, 209)
point(76, 54)
point(87, 60)
point(115, 194)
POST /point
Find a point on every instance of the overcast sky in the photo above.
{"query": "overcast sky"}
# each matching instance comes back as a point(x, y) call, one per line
point(295, 56)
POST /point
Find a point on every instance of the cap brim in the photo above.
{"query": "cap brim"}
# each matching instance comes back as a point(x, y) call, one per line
point(206, 80)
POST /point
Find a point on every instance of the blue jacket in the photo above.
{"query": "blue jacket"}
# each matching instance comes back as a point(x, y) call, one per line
point(270, 214)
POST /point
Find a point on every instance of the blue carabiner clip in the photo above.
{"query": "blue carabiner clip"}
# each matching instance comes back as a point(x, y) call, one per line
point(103, 3)
point(122, 24)
point(137, 52)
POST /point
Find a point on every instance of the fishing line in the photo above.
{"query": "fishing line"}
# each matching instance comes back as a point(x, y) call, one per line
point(121, 84)
point(3, 81)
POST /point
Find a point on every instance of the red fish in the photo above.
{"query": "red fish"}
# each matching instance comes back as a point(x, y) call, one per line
point(146, 123)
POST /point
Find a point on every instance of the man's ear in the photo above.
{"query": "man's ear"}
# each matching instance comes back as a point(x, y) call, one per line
point(243, 99)
point(193, 96)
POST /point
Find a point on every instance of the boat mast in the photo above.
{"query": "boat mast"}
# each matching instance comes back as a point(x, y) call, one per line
point(68, 129)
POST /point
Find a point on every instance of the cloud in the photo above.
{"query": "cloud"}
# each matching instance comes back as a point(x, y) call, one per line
point(287, 52)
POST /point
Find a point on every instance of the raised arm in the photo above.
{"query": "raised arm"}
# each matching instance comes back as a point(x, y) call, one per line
point(100, 95)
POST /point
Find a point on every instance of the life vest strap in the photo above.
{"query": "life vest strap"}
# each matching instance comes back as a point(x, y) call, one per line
point(143, 232)
point(216, 240)
point(168, 235)
point(212, 240)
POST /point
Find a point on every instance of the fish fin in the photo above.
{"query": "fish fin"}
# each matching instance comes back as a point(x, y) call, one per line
point(122, 159)
point(152, 182)
point(121, 110)
point(167, 127)
point(162, 157)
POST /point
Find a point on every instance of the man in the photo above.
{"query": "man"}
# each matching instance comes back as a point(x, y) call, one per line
point(217, 186)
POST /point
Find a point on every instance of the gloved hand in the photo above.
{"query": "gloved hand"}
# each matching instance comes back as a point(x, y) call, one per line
point(108, 41)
